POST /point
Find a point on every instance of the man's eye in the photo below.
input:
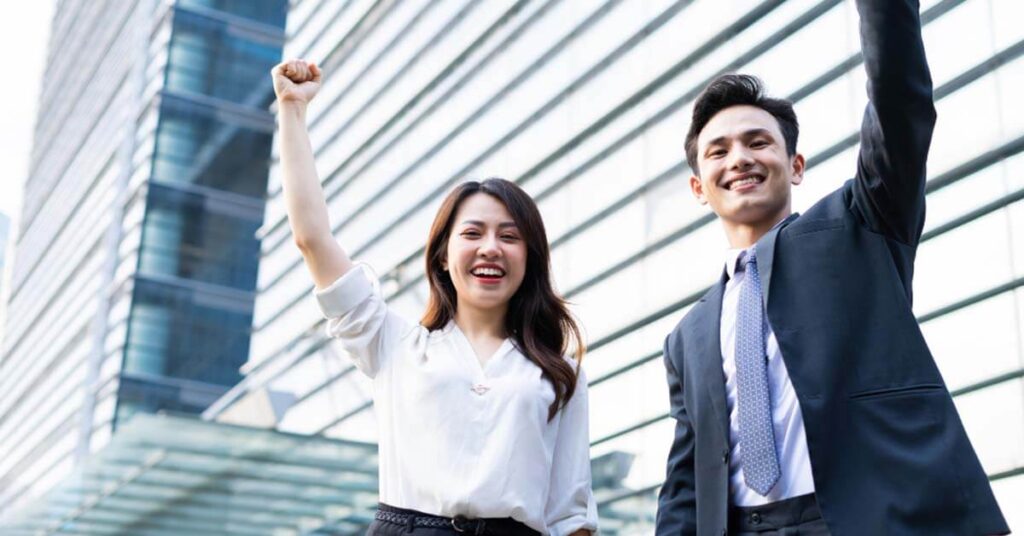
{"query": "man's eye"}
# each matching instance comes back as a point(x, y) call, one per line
point(759, 143)
point(716, 154)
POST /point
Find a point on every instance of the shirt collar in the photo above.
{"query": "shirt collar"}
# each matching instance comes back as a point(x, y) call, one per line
point(732, 255)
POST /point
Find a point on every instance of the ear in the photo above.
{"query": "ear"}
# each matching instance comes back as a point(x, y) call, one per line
point(798, 165)
point(697, 187)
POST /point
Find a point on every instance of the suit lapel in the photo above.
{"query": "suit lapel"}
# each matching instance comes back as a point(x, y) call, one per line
point(709, 353)
point(766, 256)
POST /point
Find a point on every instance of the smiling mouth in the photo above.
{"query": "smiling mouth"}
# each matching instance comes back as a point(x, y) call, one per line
point(743, 182)
point(488, 274)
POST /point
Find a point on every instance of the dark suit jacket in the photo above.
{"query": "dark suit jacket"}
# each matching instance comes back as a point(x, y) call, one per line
point(888, 452)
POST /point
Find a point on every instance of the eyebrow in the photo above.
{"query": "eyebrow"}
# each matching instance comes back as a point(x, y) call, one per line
point(745, 134)
point(502, 225)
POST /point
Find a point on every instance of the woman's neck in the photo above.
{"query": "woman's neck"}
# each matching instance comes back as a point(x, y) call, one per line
point(481, 323)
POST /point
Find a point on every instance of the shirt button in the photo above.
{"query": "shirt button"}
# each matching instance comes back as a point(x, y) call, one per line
point(755, 518)
point(725, 456)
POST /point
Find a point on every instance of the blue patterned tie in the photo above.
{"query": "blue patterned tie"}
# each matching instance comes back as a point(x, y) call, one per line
point(760, 462)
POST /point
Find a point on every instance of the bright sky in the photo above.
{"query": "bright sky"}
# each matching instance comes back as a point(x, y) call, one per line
point(24, 31)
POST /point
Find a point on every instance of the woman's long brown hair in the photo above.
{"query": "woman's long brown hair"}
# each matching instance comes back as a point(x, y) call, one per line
point(537, 320)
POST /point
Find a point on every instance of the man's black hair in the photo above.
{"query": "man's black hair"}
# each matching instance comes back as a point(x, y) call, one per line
point(735, 90)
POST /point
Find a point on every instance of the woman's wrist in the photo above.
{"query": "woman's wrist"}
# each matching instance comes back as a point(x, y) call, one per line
point(291, 107)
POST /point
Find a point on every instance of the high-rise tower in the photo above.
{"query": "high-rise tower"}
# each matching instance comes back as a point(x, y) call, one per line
point(133, 285)
point(585, 105)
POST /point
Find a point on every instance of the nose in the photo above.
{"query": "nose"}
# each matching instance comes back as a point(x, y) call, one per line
point(740, 158)
point(489, 247)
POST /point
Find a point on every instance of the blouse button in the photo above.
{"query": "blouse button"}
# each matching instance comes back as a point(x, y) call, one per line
point(480, 389)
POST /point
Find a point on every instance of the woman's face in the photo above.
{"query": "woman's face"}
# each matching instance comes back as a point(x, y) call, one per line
point(486, 255)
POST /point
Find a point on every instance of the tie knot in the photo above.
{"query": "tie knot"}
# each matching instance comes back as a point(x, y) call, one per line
point(747, 258)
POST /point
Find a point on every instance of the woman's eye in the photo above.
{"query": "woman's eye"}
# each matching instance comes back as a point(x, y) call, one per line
point(509, 237)
point(470, 234)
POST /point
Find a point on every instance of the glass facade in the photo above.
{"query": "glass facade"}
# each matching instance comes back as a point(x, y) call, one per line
point(164, 475)
point(586, 105)
point(137, 257)
point(188, 329)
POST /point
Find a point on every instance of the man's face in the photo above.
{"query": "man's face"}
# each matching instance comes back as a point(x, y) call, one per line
point(745, 173)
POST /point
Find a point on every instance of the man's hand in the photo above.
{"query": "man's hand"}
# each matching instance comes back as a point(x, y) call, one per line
point(296, 81)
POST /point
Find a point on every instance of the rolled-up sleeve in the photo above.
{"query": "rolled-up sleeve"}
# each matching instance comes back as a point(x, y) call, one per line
point(358, 317)
point(571, 505)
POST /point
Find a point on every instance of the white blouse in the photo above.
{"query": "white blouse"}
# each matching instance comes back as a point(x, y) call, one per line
point(458, 438)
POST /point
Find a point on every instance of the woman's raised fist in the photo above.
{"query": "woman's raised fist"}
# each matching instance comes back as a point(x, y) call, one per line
point(296, 81)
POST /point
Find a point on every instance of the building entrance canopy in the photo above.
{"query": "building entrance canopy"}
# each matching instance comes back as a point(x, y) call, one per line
point(164, 476)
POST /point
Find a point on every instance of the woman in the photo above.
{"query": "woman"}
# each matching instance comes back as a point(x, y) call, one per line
point(482, 421)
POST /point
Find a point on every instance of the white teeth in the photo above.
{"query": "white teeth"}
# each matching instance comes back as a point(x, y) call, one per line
point(749, 180)
point(488, 271)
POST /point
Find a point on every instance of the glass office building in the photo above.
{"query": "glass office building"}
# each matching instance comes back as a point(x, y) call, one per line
point(133, 286)
point(586, 105)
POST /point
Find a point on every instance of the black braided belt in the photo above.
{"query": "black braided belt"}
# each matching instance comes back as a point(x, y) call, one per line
point(417, 521)
point(459, 524)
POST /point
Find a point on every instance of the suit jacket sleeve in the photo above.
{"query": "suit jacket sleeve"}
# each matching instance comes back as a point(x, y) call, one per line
point(888, 191)
point(677, 502)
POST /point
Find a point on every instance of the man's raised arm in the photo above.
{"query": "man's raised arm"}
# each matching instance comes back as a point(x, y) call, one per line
point(898, 123)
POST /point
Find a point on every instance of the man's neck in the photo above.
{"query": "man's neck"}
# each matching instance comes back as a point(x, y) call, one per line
point(744, 235)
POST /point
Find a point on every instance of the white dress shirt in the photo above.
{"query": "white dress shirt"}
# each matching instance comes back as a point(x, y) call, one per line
point(458, 438)
point(788, 422)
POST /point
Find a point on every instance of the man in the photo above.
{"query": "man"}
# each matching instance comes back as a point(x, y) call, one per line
point(806, 399)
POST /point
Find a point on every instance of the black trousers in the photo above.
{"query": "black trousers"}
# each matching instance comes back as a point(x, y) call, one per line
point(797, 516)
point(495, 527)
point(383, 528)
